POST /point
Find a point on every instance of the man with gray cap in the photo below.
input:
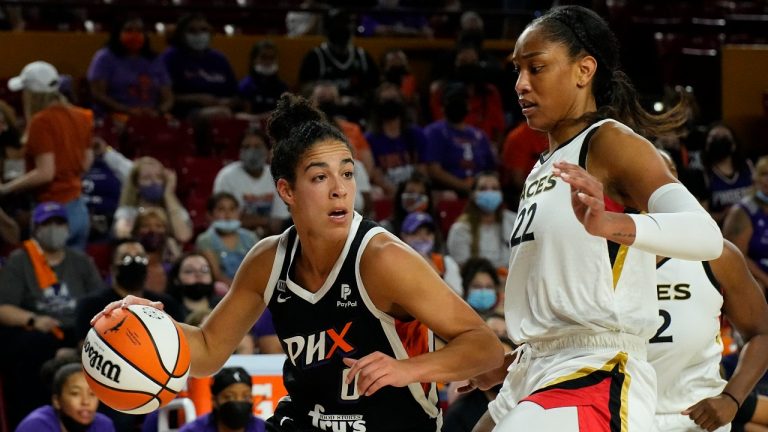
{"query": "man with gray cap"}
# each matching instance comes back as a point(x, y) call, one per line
point(59, 145)
point(232, 405)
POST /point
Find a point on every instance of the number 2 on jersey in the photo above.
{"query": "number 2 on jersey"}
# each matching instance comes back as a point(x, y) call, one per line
point(526, 235)
point(658, 338)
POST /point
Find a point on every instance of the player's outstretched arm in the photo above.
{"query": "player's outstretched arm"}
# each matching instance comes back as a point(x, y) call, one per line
point(626, 167)
point(403, 285)
point(211, 345)
point(746, 309)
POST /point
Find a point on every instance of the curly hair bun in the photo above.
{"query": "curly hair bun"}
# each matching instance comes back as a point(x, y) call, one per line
point(291, 112)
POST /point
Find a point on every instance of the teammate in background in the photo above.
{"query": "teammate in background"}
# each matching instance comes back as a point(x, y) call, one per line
point(686, 350)
point(580, 294)
point(348, 281)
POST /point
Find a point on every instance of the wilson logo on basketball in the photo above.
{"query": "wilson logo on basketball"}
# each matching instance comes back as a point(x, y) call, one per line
point(96, 360)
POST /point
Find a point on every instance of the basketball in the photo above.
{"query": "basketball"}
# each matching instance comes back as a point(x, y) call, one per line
point(136, 359)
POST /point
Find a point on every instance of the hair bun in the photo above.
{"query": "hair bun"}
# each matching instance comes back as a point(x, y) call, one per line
point(291, 112)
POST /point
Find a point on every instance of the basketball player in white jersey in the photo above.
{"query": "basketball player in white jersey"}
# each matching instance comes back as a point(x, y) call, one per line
point(581, 289)
point(686, 349)
point(336, 286)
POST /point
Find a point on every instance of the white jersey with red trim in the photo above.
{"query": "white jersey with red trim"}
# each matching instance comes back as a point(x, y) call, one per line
point(686, 349)
point(564, 281)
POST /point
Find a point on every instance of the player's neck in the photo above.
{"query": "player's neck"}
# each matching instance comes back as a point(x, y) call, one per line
point(315, 263)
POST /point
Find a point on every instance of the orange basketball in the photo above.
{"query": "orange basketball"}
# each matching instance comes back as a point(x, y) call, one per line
point(136, 359)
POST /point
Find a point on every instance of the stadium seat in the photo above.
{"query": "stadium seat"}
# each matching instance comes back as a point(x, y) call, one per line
point(196, 206)
point(196, 175)
point(101, 253)
point(448, 210)
point(164, 139)
point(226, 135)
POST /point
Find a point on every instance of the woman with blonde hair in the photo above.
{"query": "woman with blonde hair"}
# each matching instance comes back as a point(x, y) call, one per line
point(58, 141)
point(148, 185)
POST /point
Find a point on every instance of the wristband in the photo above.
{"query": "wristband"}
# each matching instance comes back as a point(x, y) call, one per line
point(738, 405)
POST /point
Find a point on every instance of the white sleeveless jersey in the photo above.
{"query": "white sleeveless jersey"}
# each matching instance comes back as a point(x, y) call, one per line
point(563, 280)
point(686, 349)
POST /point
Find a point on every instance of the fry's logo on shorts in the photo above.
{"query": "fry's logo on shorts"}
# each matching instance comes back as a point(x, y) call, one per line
point(314, 346)
point(336, 422)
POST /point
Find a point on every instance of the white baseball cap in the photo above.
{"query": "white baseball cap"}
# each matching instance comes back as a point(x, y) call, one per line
point(39, 76)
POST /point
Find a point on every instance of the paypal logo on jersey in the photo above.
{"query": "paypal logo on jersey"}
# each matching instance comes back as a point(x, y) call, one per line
point(336, 422)
point(346, 291)
point(314, 348)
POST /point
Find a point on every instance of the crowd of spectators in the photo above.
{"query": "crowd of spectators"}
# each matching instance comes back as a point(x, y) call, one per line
point(85, 221)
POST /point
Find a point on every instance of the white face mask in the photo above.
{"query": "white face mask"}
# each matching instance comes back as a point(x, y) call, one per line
point(198, 41)
point(52, 237)
point(267, 70)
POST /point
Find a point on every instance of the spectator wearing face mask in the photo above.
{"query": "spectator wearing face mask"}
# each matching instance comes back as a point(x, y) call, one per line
point(485, 110)
point(225, 243)
point(204, 83)
point(191, 284)
point(484, 228)
point(420, 233)
point(395, 141)
point(262, 87)
point(151, 230)
point(126, 76)
point(232, 405)
point(728, 174)
point(412, 195)
point(343, 63)
point(482, 286)
point(128, 275)
point(39, 289)
point(249, 180)
point(150, 185)
point(456, 152)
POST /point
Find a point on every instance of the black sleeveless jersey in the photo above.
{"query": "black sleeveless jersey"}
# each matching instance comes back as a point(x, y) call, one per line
point(317, 330)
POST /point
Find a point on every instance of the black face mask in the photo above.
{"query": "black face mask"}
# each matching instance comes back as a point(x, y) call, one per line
point(339, 36)
point(719, 149)
point(70, 424)
point(395, 74)
point(131, 276)
point(455, 111)
point(234, 414)
point(329, 108)
point(196, 291)
point(390, 109)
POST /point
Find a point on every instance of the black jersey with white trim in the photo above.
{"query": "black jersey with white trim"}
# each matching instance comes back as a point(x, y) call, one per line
point(317, 330)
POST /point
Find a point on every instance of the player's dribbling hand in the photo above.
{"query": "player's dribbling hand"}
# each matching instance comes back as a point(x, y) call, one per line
point(711, 413)
point(377, 370)
point(587, 196)
point(124, 303)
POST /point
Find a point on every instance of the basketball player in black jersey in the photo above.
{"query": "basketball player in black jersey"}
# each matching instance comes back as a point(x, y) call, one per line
point(347, 300)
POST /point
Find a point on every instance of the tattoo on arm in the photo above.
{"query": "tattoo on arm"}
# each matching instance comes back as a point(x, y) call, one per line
point(623, 235)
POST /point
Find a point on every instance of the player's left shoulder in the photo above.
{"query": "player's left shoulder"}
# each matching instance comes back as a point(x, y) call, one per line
point(616, 138)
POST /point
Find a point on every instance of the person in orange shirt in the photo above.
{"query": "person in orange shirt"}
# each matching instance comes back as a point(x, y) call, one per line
point(58, 147)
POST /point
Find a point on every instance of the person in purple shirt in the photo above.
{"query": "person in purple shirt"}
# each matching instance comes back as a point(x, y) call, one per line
point(203, 80)
point(262, 87)
point(395, 141)
point(73, 406)
point(455, 151)
point(126, 76)
point(232, 405)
